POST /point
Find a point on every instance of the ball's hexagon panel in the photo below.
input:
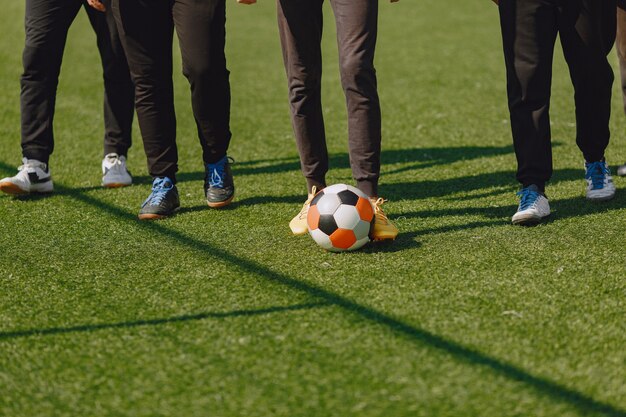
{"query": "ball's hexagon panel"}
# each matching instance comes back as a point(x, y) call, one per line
point(328, 204)
point(327, 224)
point(321, 239)
point(360, 243)
point(313, 218)
point(366, 209)
point(348, 197)
point(347, 217)
point(343, 239)
point(362, 230)
point(335, 188)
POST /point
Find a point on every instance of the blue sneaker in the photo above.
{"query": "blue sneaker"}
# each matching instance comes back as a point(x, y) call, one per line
point(600, 185)
point(162, 202)
point(533, 206)
point(219, 187)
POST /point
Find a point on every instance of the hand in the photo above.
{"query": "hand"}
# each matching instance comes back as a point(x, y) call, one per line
point(97, 4)
point(246, 1)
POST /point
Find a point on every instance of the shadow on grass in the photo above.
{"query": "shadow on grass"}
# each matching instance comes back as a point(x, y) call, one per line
point(543, 386)
point(154, 322)
point(502, 180)
point(416, 158)
point(422, 337)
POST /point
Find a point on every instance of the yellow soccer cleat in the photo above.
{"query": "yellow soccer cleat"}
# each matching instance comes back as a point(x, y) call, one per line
point(383, 228)
point(298, 224)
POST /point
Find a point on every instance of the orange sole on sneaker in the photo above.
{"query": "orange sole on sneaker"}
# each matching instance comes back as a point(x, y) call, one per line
point(151, 216)
point(10, 188)
point(221, 203)
point(115, 185)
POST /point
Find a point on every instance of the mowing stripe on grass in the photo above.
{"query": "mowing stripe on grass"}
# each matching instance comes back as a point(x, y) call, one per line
point(462, 353)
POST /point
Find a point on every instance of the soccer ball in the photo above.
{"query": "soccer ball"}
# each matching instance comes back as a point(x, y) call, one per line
point(340, 218)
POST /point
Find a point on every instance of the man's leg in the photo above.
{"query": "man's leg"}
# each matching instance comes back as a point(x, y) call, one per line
point(621, 54)
point(300, 24)
point(119, 98)
point(587, 30)
point(300, 29)
point(146, 32)
point(119, 91)
point(47, 23)
point(201, 29)
point(529, 29)
point(357, 26)
point(621, 45)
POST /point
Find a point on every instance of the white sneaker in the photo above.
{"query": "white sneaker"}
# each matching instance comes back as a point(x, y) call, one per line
point(114, 171)
point(33, 177)
point(600, 185)
point(533, 206)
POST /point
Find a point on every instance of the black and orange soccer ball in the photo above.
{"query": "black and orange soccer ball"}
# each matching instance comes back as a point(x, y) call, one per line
point(341, 218)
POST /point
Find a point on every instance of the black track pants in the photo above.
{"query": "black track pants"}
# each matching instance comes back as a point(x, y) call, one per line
point(47, 24)
point(146, 29)
point(587, 32)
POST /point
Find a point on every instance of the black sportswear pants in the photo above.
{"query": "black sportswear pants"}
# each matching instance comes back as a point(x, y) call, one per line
point(300, 27)
point(620, 44)
point(47, 24)
point(587, 33)
point(146, 28)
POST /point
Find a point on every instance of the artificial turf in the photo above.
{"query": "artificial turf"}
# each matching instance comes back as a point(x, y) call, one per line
point(224, 313)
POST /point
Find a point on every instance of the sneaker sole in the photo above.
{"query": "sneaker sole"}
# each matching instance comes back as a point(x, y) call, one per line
point(600, 199)
point(155, 216)
point(12, 189)
point(221, 203)
point(296, 233)
point(528, 221)
point(152, 216)
point(115, 185)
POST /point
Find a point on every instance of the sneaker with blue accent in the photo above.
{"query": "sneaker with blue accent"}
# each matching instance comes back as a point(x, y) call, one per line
point(162, 202)
point(219, 187)
point(533, 206)
point(600, 185)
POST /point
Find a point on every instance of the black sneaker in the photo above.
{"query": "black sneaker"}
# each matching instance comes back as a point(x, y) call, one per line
point(162, 202)
point(219, 188)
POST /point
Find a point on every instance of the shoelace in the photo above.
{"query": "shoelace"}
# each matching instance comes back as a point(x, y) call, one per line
point(217, 171)
point(159, 191)
point(597, 172)
point(378, 211)
point(527, 198)
point(305, 207)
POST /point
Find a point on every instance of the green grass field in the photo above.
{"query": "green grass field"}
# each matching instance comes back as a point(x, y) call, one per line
point(224, 313)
